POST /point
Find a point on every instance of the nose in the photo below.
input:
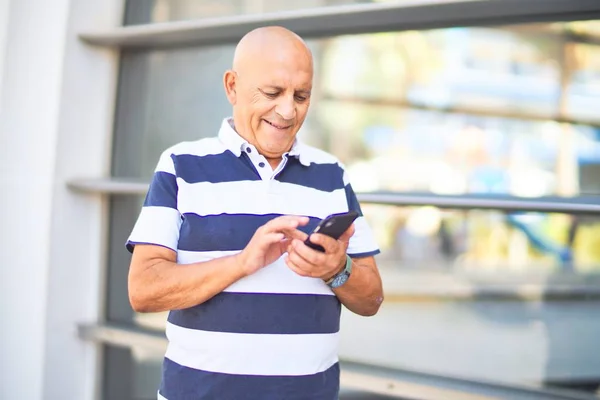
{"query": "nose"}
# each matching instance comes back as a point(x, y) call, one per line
point(286, 107)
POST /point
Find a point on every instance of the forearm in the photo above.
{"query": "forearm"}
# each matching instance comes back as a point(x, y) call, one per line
point(362, 293)
point(163, 285)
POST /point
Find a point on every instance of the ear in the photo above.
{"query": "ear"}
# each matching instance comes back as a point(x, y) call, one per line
point(230, 81)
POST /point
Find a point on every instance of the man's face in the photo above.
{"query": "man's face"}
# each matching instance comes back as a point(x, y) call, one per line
point(272, 97)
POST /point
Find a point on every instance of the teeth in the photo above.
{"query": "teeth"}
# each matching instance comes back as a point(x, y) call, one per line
point(275, 126)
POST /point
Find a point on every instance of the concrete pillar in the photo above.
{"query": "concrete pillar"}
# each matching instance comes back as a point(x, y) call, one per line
point(57, 101)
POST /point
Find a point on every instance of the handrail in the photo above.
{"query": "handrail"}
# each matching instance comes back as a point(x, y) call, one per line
point(372, 378)
point(347, 19)
point(379, 101)
point(112, 186)
point(550, 204)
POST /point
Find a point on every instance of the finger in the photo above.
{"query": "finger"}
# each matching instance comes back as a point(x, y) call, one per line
point(286, 222)
point(284, 245)
point(271, 238)
point(295, 234)
point(295, 268)
point(347, 234)
point(301, 263)
point(308, 254)
point(330, 244)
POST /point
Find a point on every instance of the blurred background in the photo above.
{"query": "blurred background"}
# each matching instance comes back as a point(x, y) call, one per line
point(470, 129)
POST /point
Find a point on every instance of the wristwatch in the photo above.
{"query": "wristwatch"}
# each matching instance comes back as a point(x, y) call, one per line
point(339, 279)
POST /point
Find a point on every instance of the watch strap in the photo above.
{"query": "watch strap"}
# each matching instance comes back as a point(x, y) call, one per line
point(347, 270)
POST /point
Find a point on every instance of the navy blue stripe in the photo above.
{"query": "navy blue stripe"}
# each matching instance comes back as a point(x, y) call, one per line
point(325, 177)
point(224, 232)
point(226, 167)
point(130, 245)
point(162, 191)
point(353, 204)
point(248, 162)
point(365, 254)
point(183, 383)
point(214, 168)
point(262, 313)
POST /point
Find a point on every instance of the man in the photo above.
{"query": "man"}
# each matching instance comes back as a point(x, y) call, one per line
point(253, 312)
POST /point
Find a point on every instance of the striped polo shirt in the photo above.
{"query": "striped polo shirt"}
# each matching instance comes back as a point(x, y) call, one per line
point(271, 335)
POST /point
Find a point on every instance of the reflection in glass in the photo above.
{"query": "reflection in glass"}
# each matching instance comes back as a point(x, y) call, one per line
point(584, 90)
point(463, 110)
point(428, 238)
point(387, 148)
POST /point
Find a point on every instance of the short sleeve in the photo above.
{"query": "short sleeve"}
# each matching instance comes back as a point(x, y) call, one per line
point(362, 243)
point(159, 220)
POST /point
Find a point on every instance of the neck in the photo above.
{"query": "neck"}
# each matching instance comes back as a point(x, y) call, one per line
point(274, 161)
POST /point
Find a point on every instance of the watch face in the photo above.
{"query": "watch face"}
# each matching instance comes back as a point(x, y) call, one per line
point(339, 280)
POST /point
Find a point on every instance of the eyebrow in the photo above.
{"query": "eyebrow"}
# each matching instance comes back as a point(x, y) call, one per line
point(280, 89)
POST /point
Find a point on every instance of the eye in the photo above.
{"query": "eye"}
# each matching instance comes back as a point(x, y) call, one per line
point(271, 95)
point(300, 99)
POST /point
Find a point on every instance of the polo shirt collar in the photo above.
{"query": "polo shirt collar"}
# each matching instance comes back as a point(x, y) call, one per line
point(237, 144)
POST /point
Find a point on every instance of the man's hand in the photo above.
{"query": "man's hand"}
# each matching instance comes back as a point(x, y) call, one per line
point(308, 262)
point(269, 242)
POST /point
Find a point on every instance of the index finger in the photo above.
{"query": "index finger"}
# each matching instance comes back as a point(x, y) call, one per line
point(285, 223)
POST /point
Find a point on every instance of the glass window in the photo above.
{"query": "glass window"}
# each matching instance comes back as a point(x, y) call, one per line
point(131, 374)
point(462, 119)
point(165, 97)
point(433, 326)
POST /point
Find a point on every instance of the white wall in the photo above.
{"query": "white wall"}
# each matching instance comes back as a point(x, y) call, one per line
point(4, 10)
point(57, 97)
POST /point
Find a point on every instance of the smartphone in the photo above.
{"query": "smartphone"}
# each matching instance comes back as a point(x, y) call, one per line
point(334, 226)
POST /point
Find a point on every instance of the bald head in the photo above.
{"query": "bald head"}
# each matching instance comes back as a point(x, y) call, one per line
point(272, 39)
point(269, 88)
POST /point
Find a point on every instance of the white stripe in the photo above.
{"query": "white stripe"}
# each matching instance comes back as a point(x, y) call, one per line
point(157, 225)
point(346, 178)
point(363, 240)
point(274, 278)
point(315, 155)
point(190, 257)
point(259, 198)
point(160, 396)
point(165, 163)
point(200, 148)
point(252, 354)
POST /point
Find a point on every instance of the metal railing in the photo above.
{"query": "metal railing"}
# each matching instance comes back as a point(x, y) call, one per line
point(374, 379)
point(550, 204)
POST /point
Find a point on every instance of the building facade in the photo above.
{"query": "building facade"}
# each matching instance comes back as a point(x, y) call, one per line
point(472, 131)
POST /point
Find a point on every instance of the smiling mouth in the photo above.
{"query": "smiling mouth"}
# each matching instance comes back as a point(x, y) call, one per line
point(282, 127)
